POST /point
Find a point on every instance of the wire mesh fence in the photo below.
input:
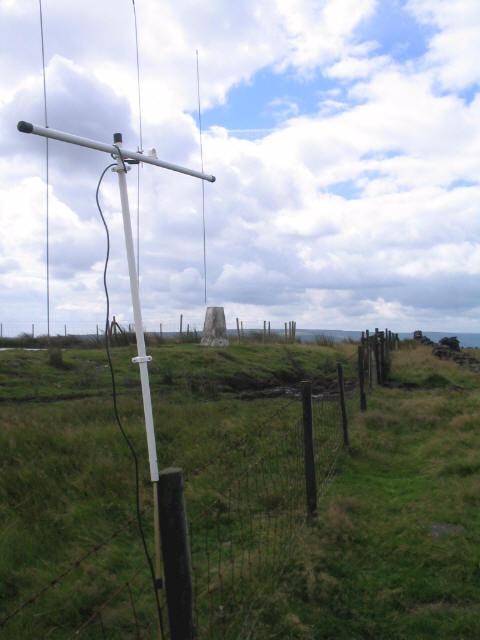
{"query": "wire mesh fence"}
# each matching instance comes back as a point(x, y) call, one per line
point(241, 539)
point(243, 531)
point(328, 440)
point(246, 505)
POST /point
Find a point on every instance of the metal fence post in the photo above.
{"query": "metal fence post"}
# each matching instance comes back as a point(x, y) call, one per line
point(177, 562)
point(310, 479)
point(342, 405)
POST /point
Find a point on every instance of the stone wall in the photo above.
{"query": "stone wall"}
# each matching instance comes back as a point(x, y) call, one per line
point(463, 359)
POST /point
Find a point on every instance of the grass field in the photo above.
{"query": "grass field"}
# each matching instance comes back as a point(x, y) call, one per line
point(393, 553)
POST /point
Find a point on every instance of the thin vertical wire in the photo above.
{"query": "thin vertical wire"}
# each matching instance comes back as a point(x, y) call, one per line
point(203, 186)
point(46, 167)
point(140, 141)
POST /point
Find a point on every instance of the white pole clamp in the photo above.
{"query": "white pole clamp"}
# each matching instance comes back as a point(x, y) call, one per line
point(140, 359)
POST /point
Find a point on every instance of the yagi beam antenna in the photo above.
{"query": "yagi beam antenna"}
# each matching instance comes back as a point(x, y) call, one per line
point(28, 127)
point(120, 155)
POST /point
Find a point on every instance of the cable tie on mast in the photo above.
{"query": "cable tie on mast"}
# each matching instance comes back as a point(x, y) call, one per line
point(140, 359)
point(120, 155)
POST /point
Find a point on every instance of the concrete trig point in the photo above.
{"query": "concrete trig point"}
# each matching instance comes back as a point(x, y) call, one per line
point(215, 328)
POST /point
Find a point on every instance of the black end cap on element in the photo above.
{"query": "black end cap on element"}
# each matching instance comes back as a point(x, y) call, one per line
point(25, 127)
point(117, 137)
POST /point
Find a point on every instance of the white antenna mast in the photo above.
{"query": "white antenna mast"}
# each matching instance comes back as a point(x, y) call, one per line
point(120, 155)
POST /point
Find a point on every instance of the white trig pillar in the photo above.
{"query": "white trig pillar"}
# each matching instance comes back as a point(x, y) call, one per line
point(215, 328)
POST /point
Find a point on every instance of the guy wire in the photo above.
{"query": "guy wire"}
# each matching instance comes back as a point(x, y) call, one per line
point(203, 186)
point(46, 167)
point(140, 150)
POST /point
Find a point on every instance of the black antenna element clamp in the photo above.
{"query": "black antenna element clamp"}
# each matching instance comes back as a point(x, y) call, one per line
point(117, 137)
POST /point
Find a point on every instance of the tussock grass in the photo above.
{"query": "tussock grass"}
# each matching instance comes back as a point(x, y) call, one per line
point(68, 480)
point(184, 368)
point(372, 567)
point(368, 567)
point(420, 366)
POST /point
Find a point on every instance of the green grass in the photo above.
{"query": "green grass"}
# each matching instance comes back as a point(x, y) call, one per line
point(68, 477)
point(368, 567)
point(68, 483)
point(372, 566)
point(29, 375)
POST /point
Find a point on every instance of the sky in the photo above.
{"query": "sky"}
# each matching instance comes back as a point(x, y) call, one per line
point(344, 136)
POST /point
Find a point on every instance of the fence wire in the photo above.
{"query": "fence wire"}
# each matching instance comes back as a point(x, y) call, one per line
point(327, 441)
point(240, 539)
point(243, 537)
point(246, 508)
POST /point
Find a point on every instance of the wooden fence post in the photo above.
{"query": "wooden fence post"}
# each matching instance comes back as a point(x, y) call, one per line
point(361, 378)
point(383, 358)
point(376, 352)
point(343, 407)
point(310, 479)
point(368, 358)
point(181, 323)
point(238, 331)
point(264, 330)
point(177, 562)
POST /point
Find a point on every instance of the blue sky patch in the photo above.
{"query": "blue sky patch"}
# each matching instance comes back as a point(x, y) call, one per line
point(267, 100)
point(461, 183)
point(382, 155)
point(347, 189)
point(397, 32)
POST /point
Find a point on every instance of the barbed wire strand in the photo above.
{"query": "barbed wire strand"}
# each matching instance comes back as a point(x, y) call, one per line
point(134, 611)
point(67, 571)
point(102, 607)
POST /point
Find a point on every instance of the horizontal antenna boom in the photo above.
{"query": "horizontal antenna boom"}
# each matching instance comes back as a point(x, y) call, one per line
point(28, 127)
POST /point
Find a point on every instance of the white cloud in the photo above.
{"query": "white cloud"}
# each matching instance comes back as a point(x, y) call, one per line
point(353, 68)
point(364, 212)
point(456, 45)
point(319, 32)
